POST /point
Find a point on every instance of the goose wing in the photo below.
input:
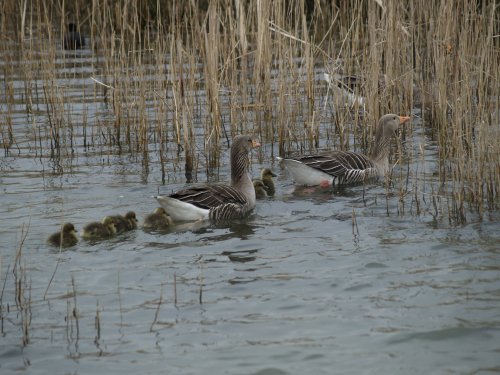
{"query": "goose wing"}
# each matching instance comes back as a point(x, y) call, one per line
point(210, 196)
point(344, 166)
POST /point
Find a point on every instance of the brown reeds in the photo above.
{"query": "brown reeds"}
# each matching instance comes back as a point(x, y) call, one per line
point(179, 79)
point(22, 288)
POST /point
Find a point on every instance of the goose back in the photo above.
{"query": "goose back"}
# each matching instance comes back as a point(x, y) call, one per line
point(344, 167)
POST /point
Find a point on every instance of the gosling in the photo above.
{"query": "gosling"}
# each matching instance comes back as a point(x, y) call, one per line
point(158, 220)
point(65, 238)
point(260, 189)
point(125, 224)
point(99, 230)
point(266, 176)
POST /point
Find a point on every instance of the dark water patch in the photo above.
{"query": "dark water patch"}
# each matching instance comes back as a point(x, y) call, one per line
point(453, 333)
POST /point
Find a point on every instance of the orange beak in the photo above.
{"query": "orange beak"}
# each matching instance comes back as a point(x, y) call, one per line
point(255, 144)
point(403, 119)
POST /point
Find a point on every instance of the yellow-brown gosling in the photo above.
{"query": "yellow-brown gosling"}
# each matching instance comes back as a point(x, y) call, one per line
point(99, 230)
point(260, 189)
point(125, 223)
point(266, 175)
point(158, 220)
point(65, 238)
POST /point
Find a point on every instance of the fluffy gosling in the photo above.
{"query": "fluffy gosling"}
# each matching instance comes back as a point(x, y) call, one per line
point(266, 175)
point(158, 220)
point(125, 223)
point(99, 230)
point(260, 189)
point(65, 238)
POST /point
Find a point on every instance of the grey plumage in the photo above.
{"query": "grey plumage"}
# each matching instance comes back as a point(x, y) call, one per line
point(218, 201)
point(347, 167)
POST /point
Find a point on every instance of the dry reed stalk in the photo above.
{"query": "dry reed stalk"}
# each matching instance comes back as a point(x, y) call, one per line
point(2, 308)
point(239, 83)
point(7, 133)
point(22, 287)
point(211, 70)
point(157, 311)
point(74, 312)
point(255, 63)
point(262, 62)
point(200, 279)
point(97, 325)
point(355, 229)
point(175, 289)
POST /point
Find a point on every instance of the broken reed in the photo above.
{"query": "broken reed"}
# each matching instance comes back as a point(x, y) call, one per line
point(186, 77)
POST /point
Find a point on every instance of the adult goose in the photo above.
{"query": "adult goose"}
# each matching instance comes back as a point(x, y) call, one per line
point(65, 238)
point(218, 201)
point(347, 167)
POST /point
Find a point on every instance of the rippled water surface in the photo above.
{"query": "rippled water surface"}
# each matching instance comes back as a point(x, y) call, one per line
point(313, 282)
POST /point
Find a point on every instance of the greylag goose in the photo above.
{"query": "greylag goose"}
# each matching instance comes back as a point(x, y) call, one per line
point(260, 189)
point(72, 38)
point(347, 167)
point(99, 230)
point(65, 238)
point(218, 201)
point(125, 223)
point(158, 220)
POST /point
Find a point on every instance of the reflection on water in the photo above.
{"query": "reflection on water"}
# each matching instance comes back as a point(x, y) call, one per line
point(312, 280)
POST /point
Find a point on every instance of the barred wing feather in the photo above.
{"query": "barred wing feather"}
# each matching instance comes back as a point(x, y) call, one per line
point(210, 196)
point(346, 167)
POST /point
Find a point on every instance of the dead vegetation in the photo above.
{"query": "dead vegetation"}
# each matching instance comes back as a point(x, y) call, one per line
point(172, 81)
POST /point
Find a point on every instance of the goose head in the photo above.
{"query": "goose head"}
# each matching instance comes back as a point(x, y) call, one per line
point(390, 123)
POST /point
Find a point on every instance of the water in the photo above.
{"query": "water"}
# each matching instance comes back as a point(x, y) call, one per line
point(295, 288)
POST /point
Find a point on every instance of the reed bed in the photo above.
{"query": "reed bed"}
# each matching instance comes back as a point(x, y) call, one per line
point(176, 80)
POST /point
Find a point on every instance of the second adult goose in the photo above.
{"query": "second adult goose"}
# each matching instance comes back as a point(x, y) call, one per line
point(347, 167)
point(218, 201)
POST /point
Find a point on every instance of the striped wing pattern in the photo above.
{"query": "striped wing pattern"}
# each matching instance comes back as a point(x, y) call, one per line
point(223, 201)
point(346, 167)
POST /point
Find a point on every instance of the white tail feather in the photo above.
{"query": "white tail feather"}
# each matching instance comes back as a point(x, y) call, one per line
point(181, 211)
point(305, 175)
